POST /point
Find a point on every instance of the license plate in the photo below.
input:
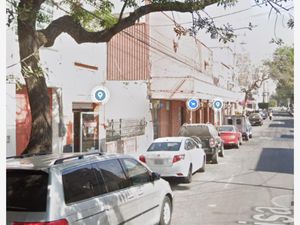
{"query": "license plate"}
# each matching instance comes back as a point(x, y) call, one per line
point(158, 161)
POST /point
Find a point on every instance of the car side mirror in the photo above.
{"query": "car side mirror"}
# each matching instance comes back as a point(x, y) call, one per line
point(154, 176)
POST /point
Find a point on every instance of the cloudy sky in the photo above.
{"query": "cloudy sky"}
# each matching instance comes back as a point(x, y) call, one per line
point(257, 41)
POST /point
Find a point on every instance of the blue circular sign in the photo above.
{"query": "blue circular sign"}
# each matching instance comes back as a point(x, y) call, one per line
point(193, 104)
point(217, 104)
point(100, 95)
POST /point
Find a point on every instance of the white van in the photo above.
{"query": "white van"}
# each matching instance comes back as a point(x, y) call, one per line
point(85, 189)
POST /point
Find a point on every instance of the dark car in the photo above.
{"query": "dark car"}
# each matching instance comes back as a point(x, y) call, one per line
point(255, 119)
point(210, 140)
point(242, 123)
point(264, 114)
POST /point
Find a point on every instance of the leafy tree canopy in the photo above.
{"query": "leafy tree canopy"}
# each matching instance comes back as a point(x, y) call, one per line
point(281, 69)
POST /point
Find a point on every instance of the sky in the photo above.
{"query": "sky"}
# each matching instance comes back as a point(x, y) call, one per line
point(257, 41)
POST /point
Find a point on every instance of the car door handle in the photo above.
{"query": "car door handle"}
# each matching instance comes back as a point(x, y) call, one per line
point(131, 196)
point(140, 191)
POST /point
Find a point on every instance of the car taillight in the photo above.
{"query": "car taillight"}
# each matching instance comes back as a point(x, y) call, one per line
point(177, 158)
point(142, 159)
point(57, 222)
point(212, 142)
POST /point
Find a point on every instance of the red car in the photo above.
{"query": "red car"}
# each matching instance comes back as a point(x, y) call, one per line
point(230, 135)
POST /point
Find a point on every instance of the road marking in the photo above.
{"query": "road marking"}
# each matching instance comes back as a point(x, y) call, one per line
point(242, 222)
point(228, 181)
point(283, 201)
point(212, 205)
point(278, 122)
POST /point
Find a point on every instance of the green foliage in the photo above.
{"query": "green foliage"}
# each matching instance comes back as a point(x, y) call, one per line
point(282, 64)
point(43, 17)
point(11, 12)
point(227, 3)
point(97, 15)
point(30, 72)
point(281, 69)
point(263, 105)
point(290, 23)
point(272, 102)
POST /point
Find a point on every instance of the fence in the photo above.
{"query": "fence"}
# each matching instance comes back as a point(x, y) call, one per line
point(121, 128)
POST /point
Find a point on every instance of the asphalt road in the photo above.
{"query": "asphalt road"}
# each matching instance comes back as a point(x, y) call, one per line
point(250, 185)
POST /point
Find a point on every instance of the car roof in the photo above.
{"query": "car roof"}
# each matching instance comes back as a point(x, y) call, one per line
point(253, 114)
point(241, 116)
point(170, 139)
point(196, 124)
point(227, 126)
point(44, 162)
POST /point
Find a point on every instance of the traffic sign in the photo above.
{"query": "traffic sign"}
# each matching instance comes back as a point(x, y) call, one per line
point(193, 104)
point(217, 104)
point(100, 94)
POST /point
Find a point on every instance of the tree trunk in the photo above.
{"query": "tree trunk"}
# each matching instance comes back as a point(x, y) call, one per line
point(41, 130)
point(245, 102)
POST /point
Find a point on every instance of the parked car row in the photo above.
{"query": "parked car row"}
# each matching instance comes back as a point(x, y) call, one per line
point(182, 156)
point(241, 123)
point(197, 144)
point(98, 188)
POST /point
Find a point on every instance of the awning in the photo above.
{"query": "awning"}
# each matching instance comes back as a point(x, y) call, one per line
point(179, 88)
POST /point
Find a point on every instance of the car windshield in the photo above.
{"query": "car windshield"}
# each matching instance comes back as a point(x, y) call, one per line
point(255, 116)
point(199, 131)
point(26, 190)
point(164, 146)
point(226, 128)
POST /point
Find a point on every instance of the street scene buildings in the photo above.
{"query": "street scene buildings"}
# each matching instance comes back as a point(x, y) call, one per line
point(134, 66)
point(149, 112)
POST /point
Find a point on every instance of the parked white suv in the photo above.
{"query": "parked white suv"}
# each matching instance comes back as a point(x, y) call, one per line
point(85, 189)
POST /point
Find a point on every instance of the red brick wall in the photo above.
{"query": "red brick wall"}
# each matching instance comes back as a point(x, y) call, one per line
point(175, 117)
point(23, 119)
point(163, 119)
point(128, 54)
point(170, 120)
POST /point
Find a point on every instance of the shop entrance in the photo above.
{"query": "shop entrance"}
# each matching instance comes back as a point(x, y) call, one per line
point(86, 127)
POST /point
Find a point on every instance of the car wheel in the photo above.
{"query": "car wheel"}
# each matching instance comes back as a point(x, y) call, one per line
point(221, 153)
point(188, 179)
point(215, 158)
point(202, 169)
point(247, 137)
point(166, 212)
point(241, 141)
point(250, 135)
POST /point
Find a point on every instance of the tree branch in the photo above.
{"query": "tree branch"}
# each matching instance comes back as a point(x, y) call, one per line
point(122, 10)
point(66, 24)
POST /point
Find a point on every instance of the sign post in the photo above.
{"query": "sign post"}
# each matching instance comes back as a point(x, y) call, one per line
point(217, 104)
point(217, 107)
point(192, 104)
point(100, 94)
